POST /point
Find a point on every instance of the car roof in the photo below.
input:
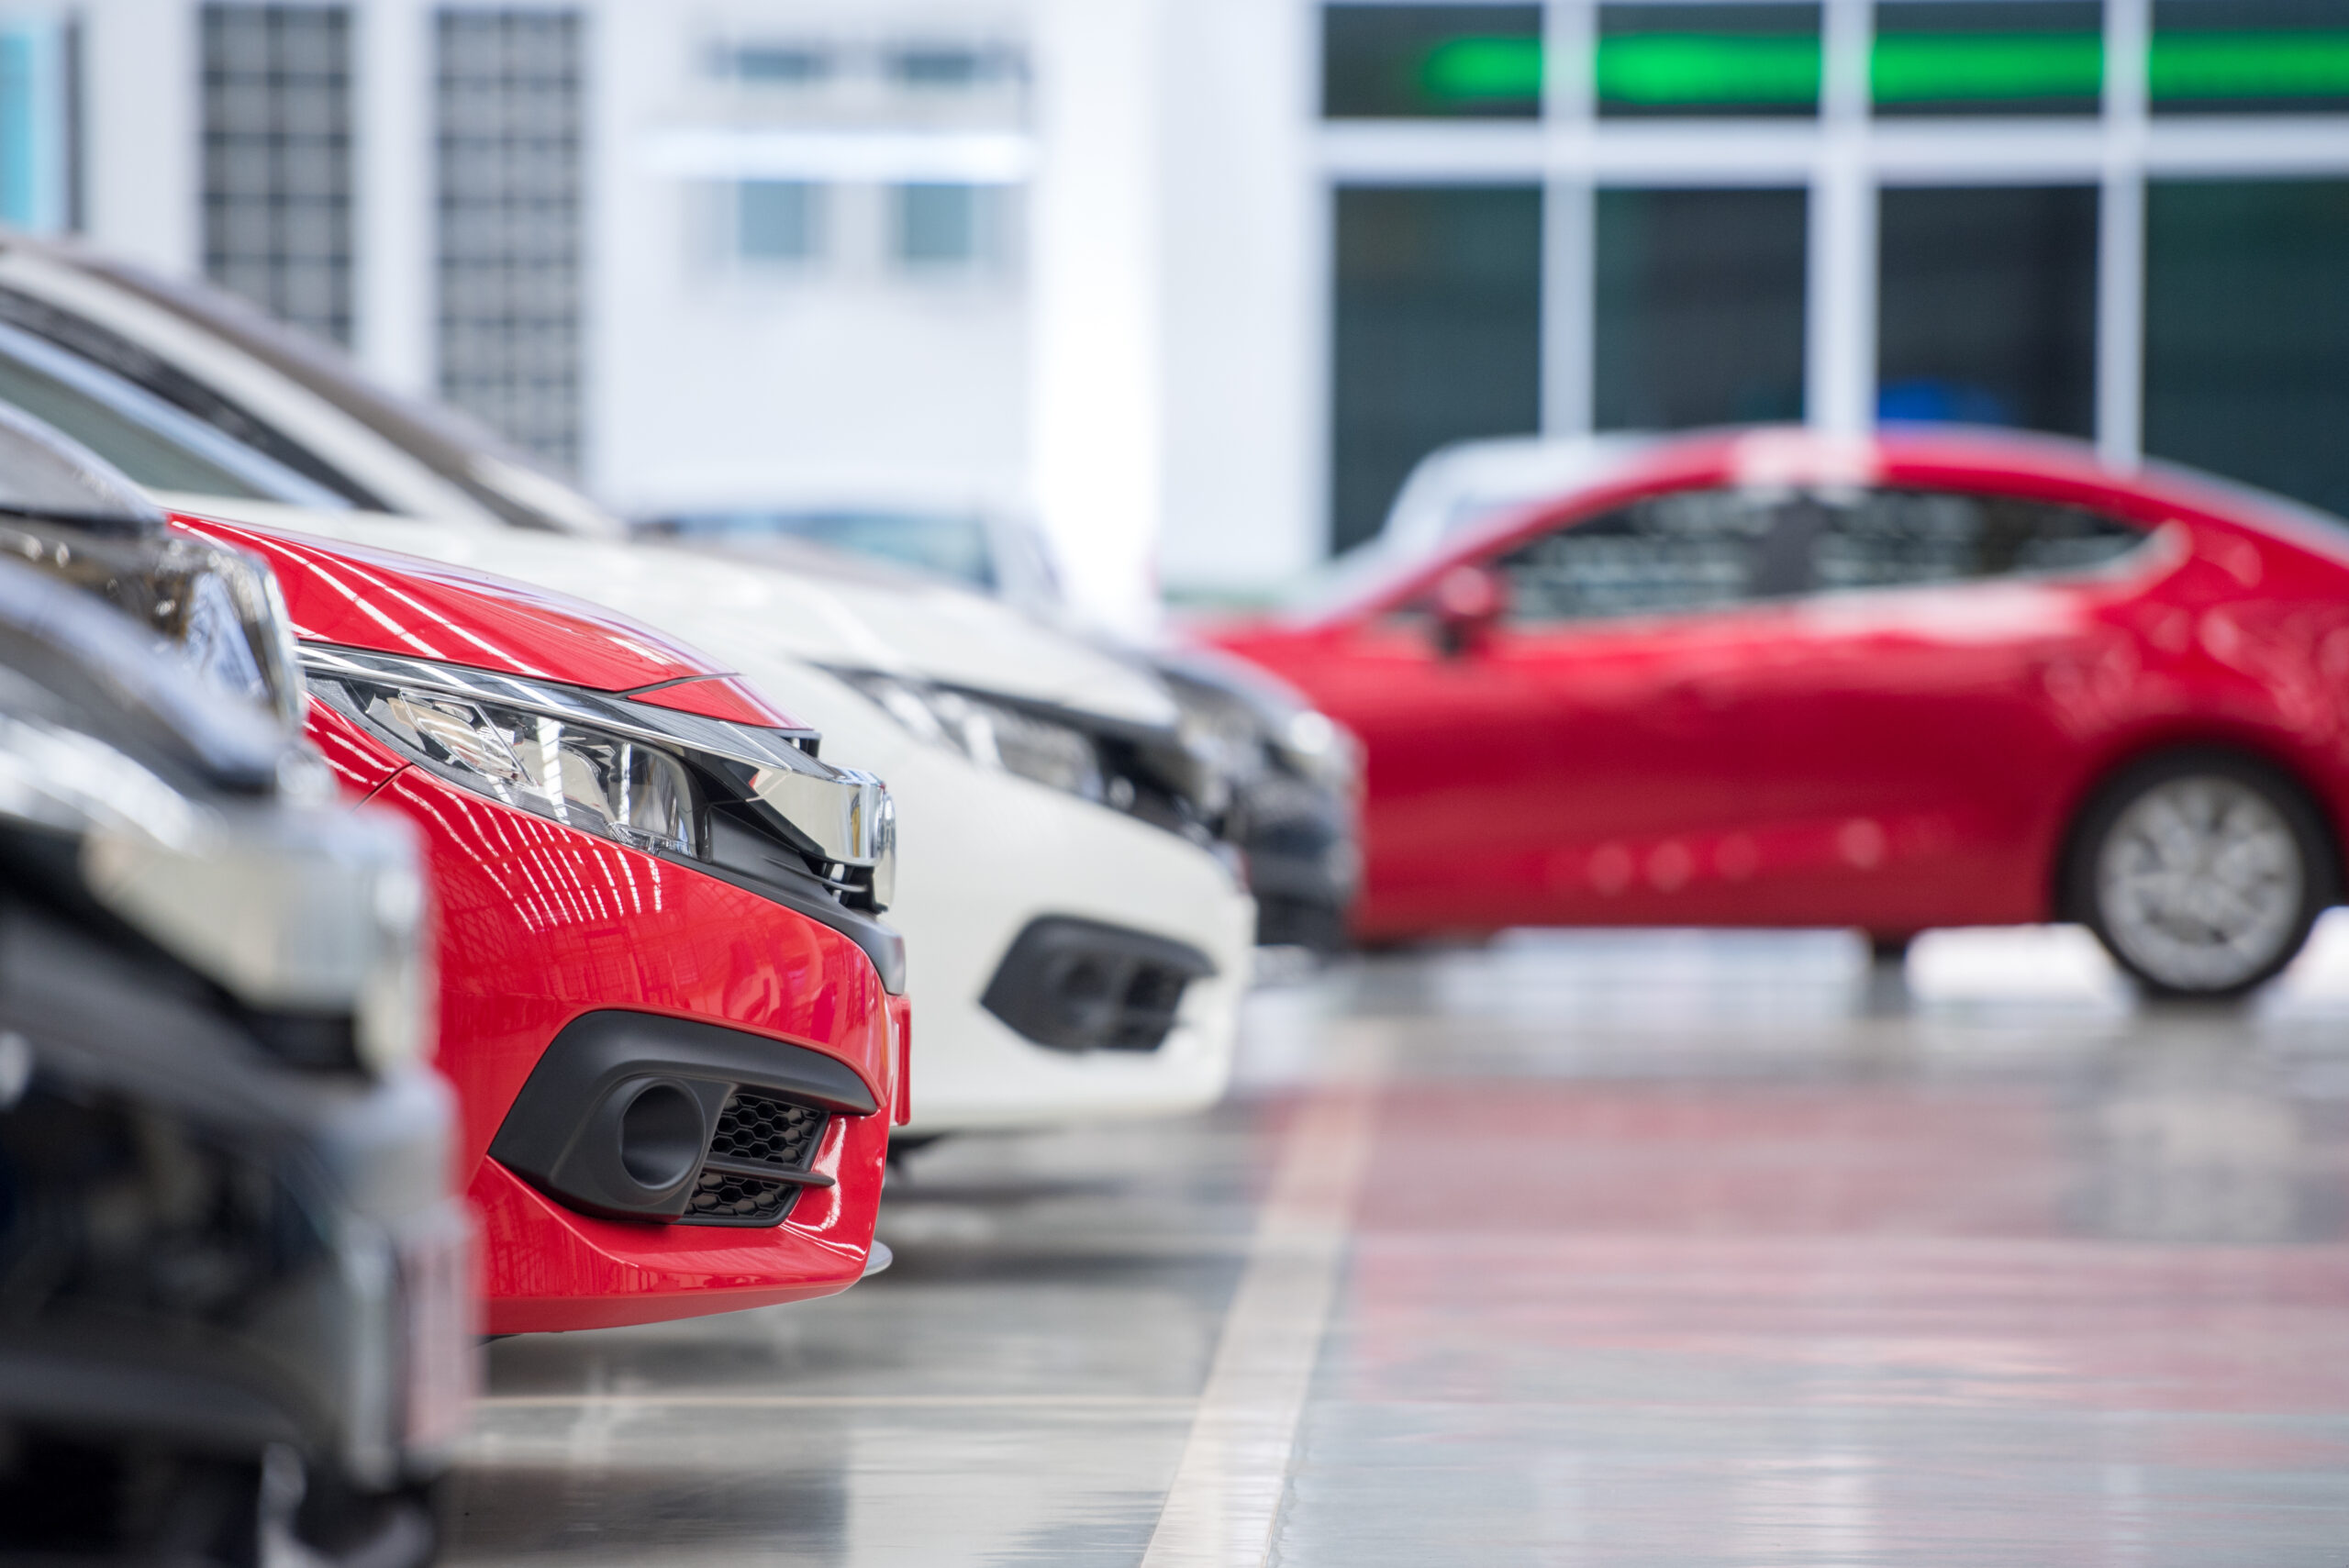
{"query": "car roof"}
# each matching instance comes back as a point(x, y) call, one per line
point(2055, 467)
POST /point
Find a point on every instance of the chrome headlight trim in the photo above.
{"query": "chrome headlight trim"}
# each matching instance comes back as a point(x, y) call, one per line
point(844, 815)
point(745, 743)
point(1122, 764)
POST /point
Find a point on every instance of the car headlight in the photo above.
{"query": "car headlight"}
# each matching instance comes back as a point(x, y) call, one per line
point(647, 777)
point(216, 609)
point(1159, 775)
point(992, 734)
point(1313, 747)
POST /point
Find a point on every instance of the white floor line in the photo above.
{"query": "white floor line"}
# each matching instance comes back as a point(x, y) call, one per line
point(1227, 1491)
point(688, 1400)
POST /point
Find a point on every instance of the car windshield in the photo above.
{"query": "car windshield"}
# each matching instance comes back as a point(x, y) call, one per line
point(450, 444)
point(944, 544)
point(154, 444)
point(43, 477)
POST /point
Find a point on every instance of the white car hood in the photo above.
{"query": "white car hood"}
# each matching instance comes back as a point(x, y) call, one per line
point(740, 612)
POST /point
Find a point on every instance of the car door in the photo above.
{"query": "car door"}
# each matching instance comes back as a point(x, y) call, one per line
point(1910, 732)
point(1565, 769)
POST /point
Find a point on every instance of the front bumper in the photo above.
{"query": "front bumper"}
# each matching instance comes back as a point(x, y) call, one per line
point(982, 857)
point(203, 1247)
point(1303, 862)
point(542, 927)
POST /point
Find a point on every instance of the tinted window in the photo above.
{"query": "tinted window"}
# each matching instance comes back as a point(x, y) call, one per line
point(1414, 62)
point(1985, 306)
point(153, 442)
point(949, 546)
point(2247, 331)
point(2249, 57)
point(1896, 538)
point(1698, 317)
point(85, 339)
point(1438, 334)
point(1708, 548)
point(1690, 550)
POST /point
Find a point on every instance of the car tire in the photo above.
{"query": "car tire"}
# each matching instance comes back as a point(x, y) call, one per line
point(2202, 871)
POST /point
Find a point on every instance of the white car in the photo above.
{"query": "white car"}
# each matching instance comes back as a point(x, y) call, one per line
point(1077, 943)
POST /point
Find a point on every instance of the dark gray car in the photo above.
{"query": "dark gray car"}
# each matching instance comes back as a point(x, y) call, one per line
point(236, 1314)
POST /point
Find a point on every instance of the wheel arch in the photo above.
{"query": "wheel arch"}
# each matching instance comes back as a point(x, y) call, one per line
point(2260, 750)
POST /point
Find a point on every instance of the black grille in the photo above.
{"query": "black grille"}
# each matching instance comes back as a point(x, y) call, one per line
point(754, 1133)
point(1077, 985)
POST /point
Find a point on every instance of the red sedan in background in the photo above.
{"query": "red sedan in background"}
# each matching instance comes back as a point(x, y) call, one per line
point(1939, 678)
point(676, 1025)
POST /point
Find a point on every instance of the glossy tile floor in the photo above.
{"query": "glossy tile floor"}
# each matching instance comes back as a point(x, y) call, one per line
point(1600, 1248)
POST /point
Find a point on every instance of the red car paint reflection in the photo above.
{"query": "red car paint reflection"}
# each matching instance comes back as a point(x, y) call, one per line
point(1762, 678)
point(540, 924)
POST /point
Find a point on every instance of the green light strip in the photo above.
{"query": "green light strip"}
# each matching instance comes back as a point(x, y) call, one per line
point(1697, 70)
point(1910, 68)
point(1658, 70)
point(2310, 64)
point(1473, 70)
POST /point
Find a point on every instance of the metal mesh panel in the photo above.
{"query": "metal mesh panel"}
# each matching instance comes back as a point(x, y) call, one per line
point(508, 109)
point(755, 1129)
point(277, 159)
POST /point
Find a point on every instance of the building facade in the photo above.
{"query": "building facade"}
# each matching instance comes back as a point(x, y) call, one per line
point(1197, 281)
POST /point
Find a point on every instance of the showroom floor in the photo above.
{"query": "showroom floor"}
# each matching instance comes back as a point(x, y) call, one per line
point(1580, 1249)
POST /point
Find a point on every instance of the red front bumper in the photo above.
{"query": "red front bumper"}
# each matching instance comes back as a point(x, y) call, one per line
point(540, 925)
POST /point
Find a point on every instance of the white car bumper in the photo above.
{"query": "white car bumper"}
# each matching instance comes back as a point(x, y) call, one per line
point(981, 854)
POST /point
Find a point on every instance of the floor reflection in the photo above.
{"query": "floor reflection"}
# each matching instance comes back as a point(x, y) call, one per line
point(1673, 1248)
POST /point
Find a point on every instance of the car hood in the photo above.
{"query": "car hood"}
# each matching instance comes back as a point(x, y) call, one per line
point(355, 595)
point(743, 612)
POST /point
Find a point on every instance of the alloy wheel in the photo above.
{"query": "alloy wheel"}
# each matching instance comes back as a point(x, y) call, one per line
point(2199, 883)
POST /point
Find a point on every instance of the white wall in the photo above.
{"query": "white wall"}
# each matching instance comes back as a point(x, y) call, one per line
point(1145, 371)
point(145, 144)
point(717, 383)
point(1242, 245)
point(1098, 355)
point(391, 165)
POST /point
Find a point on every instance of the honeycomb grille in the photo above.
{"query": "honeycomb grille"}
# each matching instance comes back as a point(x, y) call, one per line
point(721, 1199)
point(759, 1130)
point(774, 1132)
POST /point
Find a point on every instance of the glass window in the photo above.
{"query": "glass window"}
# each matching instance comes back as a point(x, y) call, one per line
point(1691, 550)
point(1699, 315)
point(36, 122)
point(2247, 332)
point(1417, 62)
point(937, 225)
point(942, 543)
point(1707, 59)
point(153, 443)
point(2249, 57)
point(777, 220)
point(1985, 306)
point(103, 349)
point(1436, 337)
point(277, 154)
point(775, 64)
point(1900, 538)
point(1697, 550)
point(1988, 57)
point(951, 66)
point(509, 119)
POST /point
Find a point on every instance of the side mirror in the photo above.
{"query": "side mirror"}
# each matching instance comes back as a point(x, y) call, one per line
point(1469, 600)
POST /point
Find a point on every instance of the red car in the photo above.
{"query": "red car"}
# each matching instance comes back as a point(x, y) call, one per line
point(675, 1022)
point(1934, 678)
